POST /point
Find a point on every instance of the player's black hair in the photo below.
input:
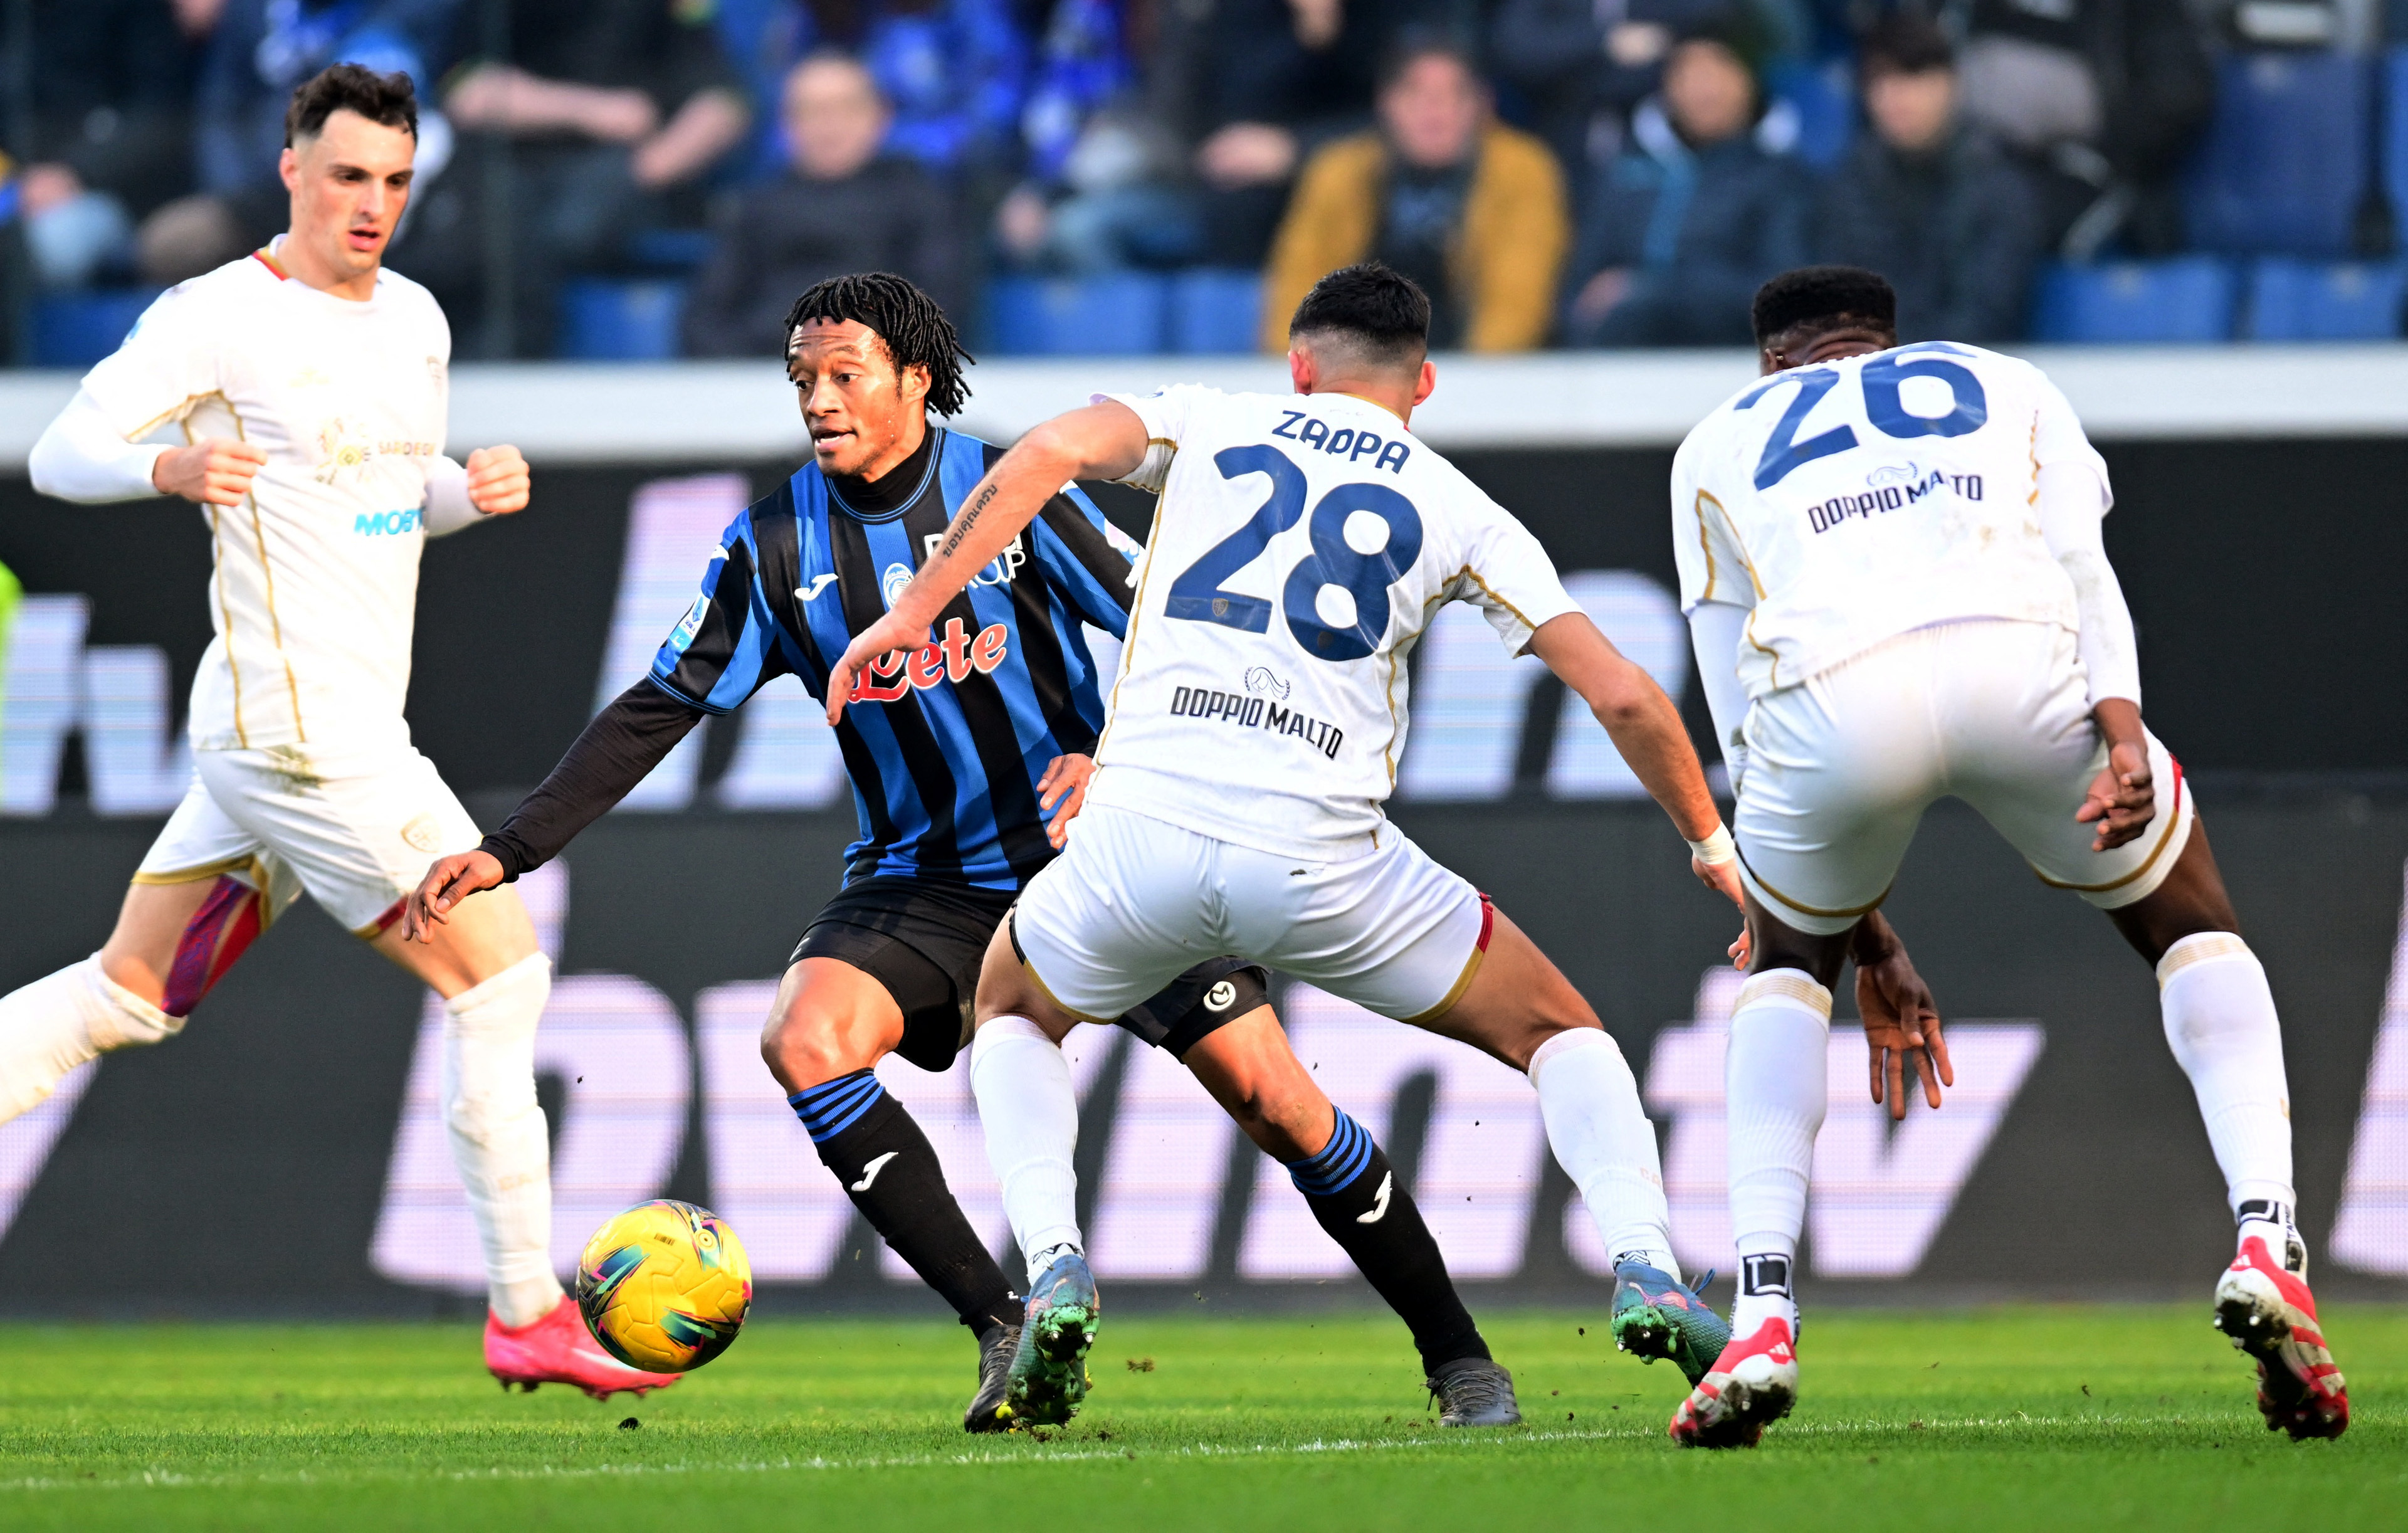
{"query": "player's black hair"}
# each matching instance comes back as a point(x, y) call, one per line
point(1817, 298)
point(389, 99)
point(1904, 42)
point(1376, 309)
point(909, 323)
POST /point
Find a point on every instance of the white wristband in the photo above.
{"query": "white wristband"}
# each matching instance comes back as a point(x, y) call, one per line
point(1717, 849)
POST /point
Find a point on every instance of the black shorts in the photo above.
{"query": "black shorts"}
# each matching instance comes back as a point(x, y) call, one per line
point(924, 941)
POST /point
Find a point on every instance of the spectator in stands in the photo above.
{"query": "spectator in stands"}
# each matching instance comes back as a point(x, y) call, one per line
point(1101, 191)
point(953, 71)
point(1470, 209)
point(842, 206)
point(1280, 77)
point(111, 92)
point(1695, 214)
point(1928, 201)
point(1586, 63)
point(258, 51)
point(606, 122)
point(2103, 98)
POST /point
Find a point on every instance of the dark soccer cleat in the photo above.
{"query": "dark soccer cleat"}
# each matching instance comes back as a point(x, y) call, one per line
point(1474, 1392)
point(987, 1412)
point(1049, 1368)
point(1751, 1385)
point(1656, 1315)
point(2271, 1315)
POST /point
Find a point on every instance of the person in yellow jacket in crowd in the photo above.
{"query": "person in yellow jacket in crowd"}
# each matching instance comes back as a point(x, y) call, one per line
point(1473, 210)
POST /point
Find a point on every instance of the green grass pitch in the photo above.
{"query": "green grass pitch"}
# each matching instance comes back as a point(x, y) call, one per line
point(2029, 1418)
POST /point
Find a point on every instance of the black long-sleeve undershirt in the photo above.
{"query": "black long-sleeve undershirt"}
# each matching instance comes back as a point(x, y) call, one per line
point(642, 724)
point(625, 740)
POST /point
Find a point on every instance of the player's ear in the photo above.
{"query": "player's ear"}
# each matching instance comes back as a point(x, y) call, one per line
point(1301, 370)
point(1427, 384)
point(913, 382)
point(288, 166)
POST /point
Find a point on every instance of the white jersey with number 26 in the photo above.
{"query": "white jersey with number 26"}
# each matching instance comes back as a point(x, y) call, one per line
point(1300, 544)
point(1851, 501)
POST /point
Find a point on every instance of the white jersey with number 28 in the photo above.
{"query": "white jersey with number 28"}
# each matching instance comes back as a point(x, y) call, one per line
point(1851, 501)
point(1300, 544)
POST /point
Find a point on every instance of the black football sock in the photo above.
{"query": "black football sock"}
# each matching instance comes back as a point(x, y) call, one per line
point(890, 1171)
point(1353, 1192)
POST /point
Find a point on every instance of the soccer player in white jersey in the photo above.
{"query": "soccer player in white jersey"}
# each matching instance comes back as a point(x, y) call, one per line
point(1891, 560)
point(1300, 544)
point(311, 388)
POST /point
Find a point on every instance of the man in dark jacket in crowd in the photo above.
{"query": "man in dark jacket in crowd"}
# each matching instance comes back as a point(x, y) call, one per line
point(842, 206)
point(1929, 202)
point(1692, 216)
point(2103, 99)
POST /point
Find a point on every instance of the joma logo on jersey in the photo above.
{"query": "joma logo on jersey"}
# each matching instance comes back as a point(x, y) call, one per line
point(385, 523)
point(1345, 442)
point(998, 571)
point(951, 658)
point(1256, 713)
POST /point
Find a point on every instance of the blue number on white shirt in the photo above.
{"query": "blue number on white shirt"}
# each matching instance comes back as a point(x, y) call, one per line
point(1196, 595)
point(1782, 452)
point(1883, 375)
point(1364, 576)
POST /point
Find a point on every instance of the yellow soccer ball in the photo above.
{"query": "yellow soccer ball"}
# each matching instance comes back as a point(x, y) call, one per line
point(664, 1286)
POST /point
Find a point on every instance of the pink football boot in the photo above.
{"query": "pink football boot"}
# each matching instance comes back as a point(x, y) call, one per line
point(2271, 1315)
point(558, 1350)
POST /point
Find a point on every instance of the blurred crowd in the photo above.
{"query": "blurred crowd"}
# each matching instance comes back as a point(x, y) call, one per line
point(1576, 172)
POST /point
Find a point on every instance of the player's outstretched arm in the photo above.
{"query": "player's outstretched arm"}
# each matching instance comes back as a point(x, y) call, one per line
point(1099, 441)
point(80, 457)
point(1646, 728)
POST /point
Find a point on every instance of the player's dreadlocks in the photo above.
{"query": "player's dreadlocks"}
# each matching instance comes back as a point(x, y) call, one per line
point(908, 321)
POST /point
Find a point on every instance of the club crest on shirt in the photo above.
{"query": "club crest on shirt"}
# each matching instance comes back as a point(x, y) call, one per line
point(897, 575)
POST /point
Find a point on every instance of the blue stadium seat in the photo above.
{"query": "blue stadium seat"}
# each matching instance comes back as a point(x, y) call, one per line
point(669, 250)
point(1121, 314)
point(1215, 312)
point(78, 329)
point(605, 320)
point(2317, 300)
point(2395, 133)
point(1823, 96)
point(2284, 165)
point(2188, 298)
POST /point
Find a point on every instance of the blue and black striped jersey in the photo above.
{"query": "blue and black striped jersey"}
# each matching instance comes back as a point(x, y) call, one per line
point(944, 775)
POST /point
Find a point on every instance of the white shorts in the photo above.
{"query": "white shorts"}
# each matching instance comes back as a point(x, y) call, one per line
point(1134, 901)
point(356, 831)
point(1841, 768)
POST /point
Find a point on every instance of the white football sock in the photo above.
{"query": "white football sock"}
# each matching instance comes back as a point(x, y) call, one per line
point(1602, 1139)
point(64, 1020)
point(2220, 1020)
point(499, 1141)
point(1030, 1112)
point(1774, 1093)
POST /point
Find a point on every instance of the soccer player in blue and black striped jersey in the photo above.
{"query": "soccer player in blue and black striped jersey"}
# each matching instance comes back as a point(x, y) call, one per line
point(972, 743)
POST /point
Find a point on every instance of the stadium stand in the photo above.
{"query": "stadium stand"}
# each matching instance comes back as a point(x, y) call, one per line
point(1215, 312)
point(78, 329)
point(2312, 300)
point(611, 320)
point(2283, 167)
point(1117, 314)
point(2186, 298)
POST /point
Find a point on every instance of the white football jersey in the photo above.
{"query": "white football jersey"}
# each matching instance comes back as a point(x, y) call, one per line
point(316, 582)
point(1851, 501)
point(1300, 544)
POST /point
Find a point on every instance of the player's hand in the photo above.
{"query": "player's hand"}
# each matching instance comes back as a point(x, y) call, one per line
point(1902, 1022)
point(1065, 782)
point(498, 481)
point(1723, 878)
point(2123, 799)
point(877, 641)
point(212, 471)
point(446, 884)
